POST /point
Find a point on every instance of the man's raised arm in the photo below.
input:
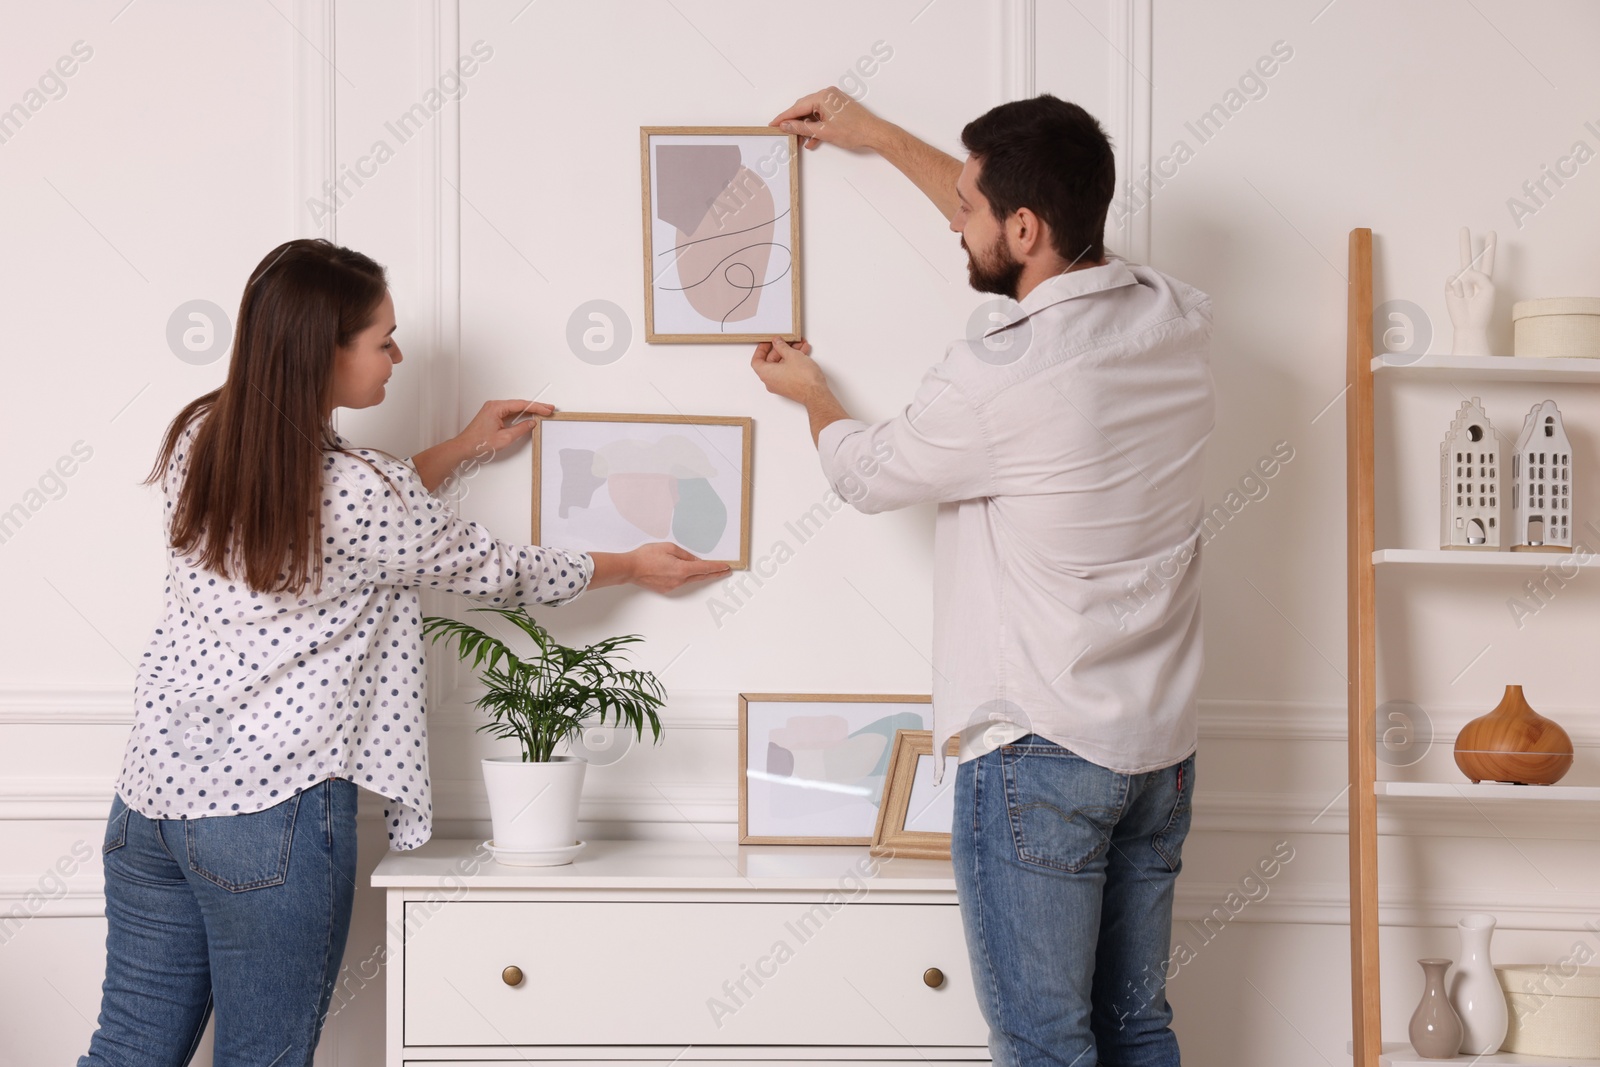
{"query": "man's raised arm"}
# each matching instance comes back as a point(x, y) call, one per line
point(831, 116)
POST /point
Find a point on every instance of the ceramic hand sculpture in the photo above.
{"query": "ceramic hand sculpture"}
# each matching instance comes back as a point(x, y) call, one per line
point(1469, 294)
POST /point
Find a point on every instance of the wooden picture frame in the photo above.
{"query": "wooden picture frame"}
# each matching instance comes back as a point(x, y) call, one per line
point(723, 461)
point(906, 771)
point(721, 182)
point(757, 828)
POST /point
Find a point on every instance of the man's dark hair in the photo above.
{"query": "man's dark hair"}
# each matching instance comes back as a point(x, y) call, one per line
point(1053, 158)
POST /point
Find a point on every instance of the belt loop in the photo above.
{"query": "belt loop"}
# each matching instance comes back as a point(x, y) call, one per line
point(1180, 778)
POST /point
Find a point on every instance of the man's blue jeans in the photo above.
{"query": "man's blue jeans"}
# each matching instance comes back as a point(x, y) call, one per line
point(246, 913)
point(1065, 873)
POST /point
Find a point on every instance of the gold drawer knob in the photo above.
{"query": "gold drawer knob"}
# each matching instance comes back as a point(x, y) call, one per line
point(933, 978)
point(512, 975)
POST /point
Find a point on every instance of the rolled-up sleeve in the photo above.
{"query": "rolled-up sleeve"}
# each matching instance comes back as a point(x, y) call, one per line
point(934, 450)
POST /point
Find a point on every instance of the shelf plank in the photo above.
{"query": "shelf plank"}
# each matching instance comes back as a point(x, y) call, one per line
point(1488, 791)
point(1501, 560)
point(1399, 1054)
point(1488, 368)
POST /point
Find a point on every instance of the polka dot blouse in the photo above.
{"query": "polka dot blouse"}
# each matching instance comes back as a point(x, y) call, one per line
point(243, 699)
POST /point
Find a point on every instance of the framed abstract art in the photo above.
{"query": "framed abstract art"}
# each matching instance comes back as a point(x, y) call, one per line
point(721, 233)
point(915, 817)
point(812, 767)
point(610, 483)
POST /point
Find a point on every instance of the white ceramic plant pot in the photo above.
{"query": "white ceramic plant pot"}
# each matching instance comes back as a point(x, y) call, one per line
point(1475, 991)
point(534, 805)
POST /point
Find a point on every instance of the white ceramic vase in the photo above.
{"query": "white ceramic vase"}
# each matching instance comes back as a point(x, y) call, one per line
point(1475, 992)
point(534, 806)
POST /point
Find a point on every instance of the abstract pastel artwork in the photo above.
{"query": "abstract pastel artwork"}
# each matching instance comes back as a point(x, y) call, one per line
point(610, 483)
point(721, 233)
point(812, 767)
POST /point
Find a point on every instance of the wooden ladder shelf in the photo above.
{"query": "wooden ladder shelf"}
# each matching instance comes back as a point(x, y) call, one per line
point(1363, 652)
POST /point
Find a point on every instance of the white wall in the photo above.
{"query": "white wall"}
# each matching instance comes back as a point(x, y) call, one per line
point(189, 144)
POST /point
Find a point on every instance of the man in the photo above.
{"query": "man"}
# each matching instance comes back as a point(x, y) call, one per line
point(1064, 450)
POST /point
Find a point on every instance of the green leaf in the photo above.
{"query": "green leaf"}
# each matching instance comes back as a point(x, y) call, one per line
point(549, 695)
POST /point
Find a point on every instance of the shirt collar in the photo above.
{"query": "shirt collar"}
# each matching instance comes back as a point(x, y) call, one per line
point(1112, 274)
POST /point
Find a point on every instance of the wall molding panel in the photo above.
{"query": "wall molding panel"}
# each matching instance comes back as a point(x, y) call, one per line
point(646, 801)
point(704, 709)
point(316, 110)
point(439, 252)
point(1018, 49)
point(59, 705)
point(1132, 96)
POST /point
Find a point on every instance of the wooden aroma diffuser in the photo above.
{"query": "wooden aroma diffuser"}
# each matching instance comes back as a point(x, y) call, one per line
point(1514, 743)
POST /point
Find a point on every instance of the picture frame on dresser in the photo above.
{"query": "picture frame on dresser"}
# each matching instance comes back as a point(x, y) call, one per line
point(912, 805)
point(812, 766)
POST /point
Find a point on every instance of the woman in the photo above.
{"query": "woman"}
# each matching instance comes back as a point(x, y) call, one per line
point(288, 670)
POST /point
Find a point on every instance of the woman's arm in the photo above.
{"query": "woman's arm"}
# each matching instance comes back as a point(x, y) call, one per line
point(416, 540)
point(451, 554)
point(485, 436)
point(434, 465)
point(661, 567)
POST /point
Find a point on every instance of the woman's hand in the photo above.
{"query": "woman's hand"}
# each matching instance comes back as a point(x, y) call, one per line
point(488, 431)
point(660, 567)
point(484, 438)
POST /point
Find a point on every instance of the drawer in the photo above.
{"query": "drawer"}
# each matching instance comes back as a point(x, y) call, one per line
point(671, 973)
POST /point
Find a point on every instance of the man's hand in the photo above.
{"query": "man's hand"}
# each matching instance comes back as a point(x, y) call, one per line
point(660, 566)
point(832, 116)
point(790, 372)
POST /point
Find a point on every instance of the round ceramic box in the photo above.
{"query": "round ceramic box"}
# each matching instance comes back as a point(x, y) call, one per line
point(1554, 1010)
point(1567, 326)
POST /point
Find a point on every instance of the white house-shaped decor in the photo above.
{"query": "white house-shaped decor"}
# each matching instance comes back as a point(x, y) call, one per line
point(1541, 490)
point(1469, 481)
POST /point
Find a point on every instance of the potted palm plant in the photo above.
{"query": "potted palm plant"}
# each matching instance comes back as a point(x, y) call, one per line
point(541, 700)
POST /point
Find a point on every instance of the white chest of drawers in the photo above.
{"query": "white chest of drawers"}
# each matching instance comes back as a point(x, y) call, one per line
point(675, 952)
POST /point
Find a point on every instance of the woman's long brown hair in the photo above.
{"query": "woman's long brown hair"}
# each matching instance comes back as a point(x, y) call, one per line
point(251, 501)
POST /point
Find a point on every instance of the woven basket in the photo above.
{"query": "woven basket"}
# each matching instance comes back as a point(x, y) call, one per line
point(1566, 326)
point(1552, 1012)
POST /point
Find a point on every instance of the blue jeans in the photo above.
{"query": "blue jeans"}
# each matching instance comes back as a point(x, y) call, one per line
point(1065, 873)
point(247, 913)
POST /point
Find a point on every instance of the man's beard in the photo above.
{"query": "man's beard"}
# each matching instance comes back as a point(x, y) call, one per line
point(1000, 275)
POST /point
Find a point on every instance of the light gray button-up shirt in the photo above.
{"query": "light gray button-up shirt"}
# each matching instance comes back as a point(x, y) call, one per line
point(1064, 450)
